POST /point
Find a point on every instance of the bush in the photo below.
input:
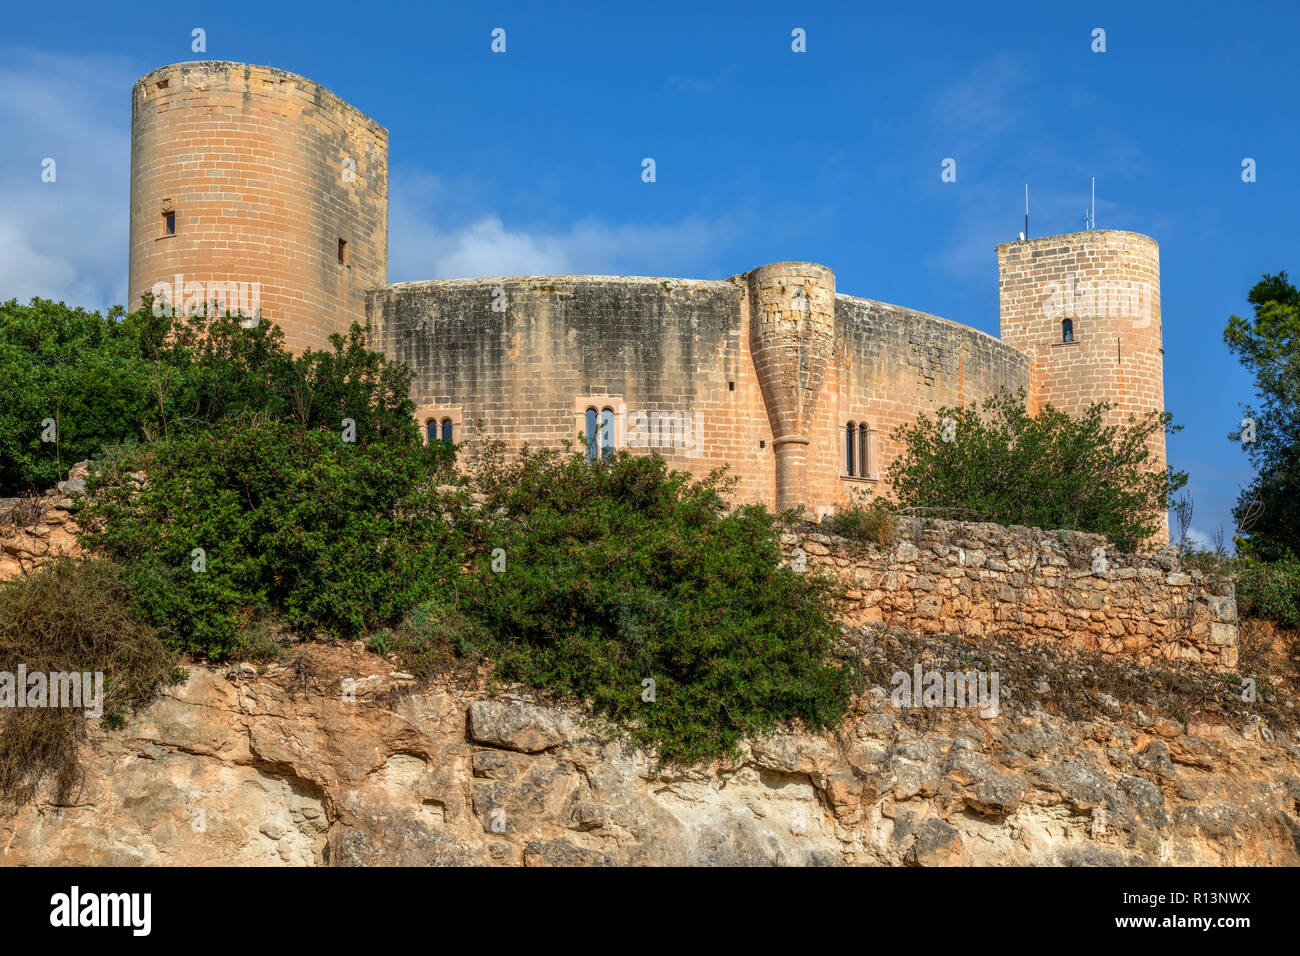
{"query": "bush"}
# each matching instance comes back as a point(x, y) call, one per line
point(1045, 470)
point(621, 572)
point(329, 535)
point(79, 369)
point(114, 380)
point(432, 639)
point(865, 520)
point(70, 616)
point(1269, 590)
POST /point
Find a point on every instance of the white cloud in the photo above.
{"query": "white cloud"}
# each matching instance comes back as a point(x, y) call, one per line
point(423, 245)
point(66, 239)
point(69, 239)
point(691, 84)
point(984, 105)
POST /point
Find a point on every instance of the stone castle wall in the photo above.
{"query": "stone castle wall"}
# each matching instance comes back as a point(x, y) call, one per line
point(252, 163)
point(526, 374)
point(894, 363)
point(669, 346)
point(1068, 587)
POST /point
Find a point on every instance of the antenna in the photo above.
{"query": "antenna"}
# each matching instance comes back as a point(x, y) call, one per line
point(1092, 216)
point(1026, 232)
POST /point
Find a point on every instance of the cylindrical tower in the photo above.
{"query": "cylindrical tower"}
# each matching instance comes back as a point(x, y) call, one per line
point(256, 186)
point(1086, 308)
point(791, 338)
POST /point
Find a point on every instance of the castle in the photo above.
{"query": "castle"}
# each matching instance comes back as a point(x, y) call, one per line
point(248, 174)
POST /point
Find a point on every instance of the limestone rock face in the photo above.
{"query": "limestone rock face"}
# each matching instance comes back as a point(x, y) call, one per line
point(247, 771)
point(516, 725)
point(34, 530)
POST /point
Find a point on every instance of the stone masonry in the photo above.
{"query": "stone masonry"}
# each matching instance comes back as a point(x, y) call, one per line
point(265, 174)
point(1068, 587)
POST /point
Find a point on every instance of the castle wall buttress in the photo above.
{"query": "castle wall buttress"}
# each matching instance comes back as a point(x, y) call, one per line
point(792, 339)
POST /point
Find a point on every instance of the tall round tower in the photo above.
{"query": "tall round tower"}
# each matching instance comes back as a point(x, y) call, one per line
point(258, 187)
point(791, 338)
point(1086, 308)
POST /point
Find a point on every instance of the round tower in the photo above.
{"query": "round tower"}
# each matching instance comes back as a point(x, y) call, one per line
point(791, 338)
point(256, 187)
point(1086, 308)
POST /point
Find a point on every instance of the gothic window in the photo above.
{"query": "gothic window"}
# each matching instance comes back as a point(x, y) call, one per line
point(446, 430)
point(1067, 330)
point(850, 441)
point(606, 432)
point(593, 424)
point(864, 451)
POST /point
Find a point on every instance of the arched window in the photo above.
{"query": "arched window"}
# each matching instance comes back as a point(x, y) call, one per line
point(446, 430)
point(593, 425)
point(606, 432)
point(850, 440)
point(1067, 330)
point(864, 451)
point(431, 429)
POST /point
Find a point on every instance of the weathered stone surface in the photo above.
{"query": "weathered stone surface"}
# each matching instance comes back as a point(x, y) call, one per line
point(1047, 589)
point(517, 725)
point(253, 772)
point(35, 530)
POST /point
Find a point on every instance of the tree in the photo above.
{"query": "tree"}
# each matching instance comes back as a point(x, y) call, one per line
point(1268, 508)
point(73, 382)
point(70, 382)
point(1046, 470)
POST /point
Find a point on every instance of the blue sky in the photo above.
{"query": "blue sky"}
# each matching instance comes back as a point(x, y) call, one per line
point(531, 161)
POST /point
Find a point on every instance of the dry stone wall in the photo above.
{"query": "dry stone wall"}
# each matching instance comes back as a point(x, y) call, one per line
point(980, 580)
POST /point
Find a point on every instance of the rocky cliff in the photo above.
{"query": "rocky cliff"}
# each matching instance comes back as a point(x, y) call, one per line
point(1081, 765)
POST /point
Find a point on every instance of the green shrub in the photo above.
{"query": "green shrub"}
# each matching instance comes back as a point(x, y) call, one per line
point(79, 369)
point(1046, 470)
point(329, 535)
point(117, 379)
point(1270, 590)
point(621, 572)
point(433, 638)
point(865, 520)
point(71, 616)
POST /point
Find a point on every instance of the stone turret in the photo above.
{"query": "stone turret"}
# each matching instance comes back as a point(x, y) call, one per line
point(259, 190)
point(791, 339)
point(1085, 307)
